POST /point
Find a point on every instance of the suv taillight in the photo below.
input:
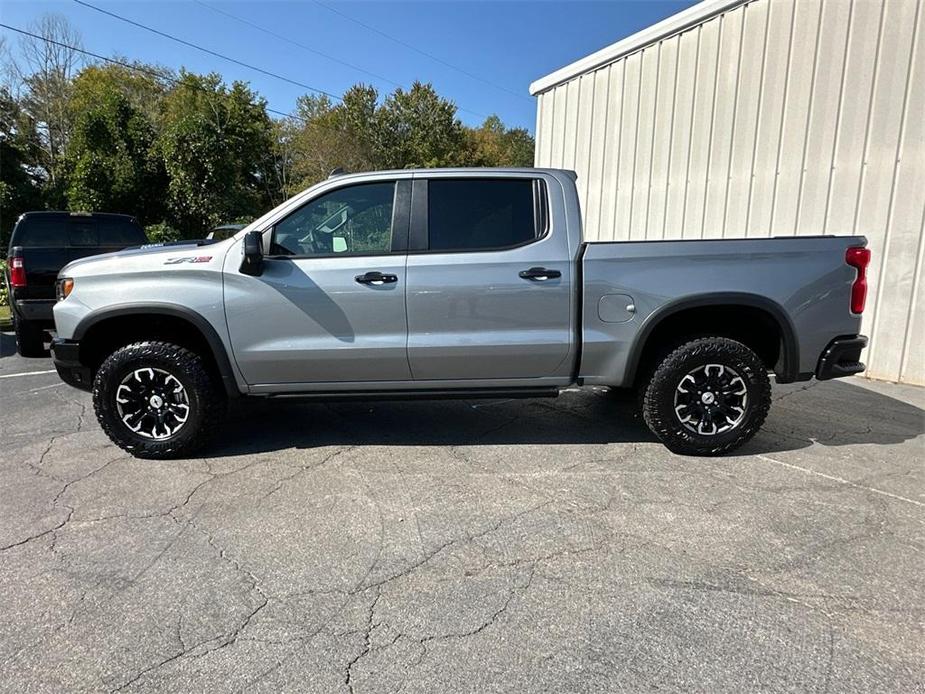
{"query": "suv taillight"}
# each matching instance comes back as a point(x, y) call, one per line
point(858, 257)
point(17, 272)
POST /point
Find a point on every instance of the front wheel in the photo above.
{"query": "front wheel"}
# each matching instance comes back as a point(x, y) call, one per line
point(707, 397)
point(157, 400)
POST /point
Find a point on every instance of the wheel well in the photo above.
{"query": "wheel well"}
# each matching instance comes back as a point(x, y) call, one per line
point(106, 336)
point(754, 327)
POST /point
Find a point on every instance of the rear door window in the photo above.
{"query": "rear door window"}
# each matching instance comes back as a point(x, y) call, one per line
point(481, 214)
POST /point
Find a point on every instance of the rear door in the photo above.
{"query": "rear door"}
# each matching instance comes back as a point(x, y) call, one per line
point(489, 281)
point(329, 308)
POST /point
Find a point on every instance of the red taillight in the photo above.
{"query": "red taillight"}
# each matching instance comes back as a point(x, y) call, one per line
point(17, 272)
point(858, 258)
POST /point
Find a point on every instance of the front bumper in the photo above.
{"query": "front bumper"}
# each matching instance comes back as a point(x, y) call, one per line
point(66, 357)
point(841, 358)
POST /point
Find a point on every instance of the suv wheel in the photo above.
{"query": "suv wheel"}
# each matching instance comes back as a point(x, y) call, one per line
point(157, 400)
point(707, 397)
point(30, 337)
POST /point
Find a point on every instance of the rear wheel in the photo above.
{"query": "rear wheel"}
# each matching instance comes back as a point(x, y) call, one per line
point(157, 400)
point(707, 397)
point(30, 337)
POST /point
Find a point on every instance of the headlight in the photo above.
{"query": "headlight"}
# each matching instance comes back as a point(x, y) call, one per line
point(64, 287)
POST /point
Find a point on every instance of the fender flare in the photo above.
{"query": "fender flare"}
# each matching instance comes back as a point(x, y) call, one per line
point(217, 347)
point(790, 349)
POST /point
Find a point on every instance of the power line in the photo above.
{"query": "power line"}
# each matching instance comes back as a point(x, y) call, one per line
point(418, 50)
point(208, 51)
point(270, 32)
point(130, 66)
point(234, 60)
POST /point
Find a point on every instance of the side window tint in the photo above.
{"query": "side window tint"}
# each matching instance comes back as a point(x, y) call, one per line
point(474, 214)
point(353, 220)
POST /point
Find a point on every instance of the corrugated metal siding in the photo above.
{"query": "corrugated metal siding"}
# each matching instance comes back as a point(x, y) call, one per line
point(777, 117)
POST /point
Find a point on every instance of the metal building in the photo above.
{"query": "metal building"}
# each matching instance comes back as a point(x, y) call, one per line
point(761, 118)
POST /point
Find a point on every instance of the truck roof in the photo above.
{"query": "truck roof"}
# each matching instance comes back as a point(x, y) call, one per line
point(64, 213)
point(462, 170)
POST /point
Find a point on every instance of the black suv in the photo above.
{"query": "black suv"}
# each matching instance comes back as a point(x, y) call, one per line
point(42, 244)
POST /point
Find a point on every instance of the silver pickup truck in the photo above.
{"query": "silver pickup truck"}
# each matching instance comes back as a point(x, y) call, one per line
point(468, 283)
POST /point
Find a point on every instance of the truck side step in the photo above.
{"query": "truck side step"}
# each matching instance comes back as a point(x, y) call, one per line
point(433, 394)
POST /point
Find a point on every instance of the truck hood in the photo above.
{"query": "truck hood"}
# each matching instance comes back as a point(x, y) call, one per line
point(174, 248)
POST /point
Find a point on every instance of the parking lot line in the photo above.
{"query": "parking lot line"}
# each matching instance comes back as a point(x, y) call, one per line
point(840, 479)
point(28, 373)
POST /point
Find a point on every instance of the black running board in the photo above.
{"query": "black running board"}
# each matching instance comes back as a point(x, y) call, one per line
point(429, 394)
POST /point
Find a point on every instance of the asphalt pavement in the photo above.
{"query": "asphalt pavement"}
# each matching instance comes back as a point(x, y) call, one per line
point(470, 546)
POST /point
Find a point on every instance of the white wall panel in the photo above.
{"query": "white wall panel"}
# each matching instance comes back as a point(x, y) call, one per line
point(768, 117)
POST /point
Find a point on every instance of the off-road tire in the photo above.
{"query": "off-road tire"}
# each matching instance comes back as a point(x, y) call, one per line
point(658, 399)
point(30, 337)
point(207, 400)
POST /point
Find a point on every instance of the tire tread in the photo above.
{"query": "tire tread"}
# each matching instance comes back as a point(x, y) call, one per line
point(193, 369)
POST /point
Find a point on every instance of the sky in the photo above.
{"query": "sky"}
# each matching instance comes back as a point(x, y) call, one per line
point(481, 55)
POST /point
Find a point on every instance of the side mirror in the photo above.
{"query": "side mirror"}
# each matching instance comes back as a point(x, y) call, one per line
point(252, 257)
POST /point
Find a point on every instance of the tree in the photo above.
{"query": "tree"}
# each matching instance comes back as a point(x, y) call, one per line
point(47, 69)
point(112, 162)
point(216, 143)
point(331, 136)
point(419, 128)
point(20, 189)
point(492, 144)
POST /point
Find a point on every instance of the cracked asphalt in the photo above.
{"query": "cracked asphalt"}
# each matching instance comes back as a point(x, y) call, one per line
point(484, 546)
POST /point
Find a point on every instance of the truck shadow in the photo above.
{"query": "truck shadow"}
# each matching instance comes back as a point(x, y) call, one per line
point(831, 414)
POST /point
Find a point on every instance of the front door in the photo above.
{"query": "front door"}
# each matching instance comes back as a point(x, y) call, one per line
point(329, 307)
point(489, 278)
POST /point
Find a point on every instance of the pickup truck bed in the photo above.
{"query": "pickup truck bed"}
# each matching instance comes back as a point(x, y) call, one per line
point(458, 282)
point(803, 283)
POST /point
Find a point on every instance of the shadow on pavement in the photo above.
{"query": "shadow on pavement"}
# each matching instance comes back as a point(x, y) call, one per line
point(831, 413)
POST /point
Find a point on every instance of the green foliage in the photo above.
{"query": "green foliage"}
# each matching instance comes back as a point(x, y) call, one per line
point(494, 145)
point(20, 188)
point(419, 128)
point(161, 233)
point(112, 161)
point(4, 296)
point(216, 146)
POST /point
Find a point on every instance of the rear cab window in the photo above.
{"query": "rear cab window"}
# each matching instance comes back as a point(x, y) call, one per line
point(76, 232)
point(40, 232)
point(472, 214)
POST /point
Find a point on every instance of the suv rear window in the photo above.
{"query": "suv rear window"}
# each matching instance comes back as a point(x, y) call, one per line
point(481, 214)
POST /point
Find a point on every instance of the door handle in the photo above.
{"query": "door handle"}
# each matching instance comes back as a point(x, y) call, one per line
point(539, 274)
point(376, 278)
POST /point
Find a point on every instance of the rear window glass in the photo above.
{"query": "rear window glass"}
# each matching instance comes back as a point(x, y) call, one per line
point(83, 234)
point(39, 232)
point(472, 214)
point(118, 232)
point(61, 232)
